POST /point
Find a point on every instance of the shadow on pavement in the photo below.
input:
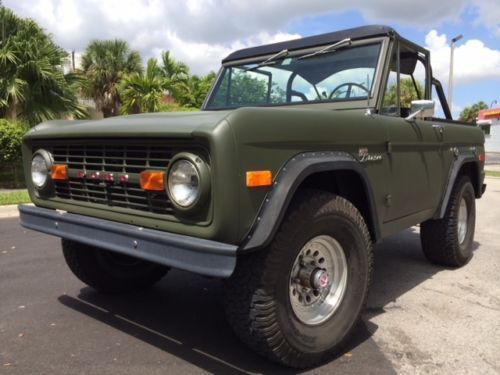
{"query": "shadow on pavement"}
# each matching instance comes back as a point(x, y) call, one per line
point(188, 323)
point(400, 266)
point(183, 315)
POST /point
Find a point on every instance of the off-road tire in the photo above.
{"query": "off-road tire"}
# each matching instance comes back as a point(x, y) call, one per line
point(109, 272)
point(257, 300)
point(439, 238)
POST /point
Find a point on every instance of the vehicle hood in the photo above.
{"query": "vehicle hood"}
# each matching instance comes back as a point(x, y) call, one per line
point(171, 124)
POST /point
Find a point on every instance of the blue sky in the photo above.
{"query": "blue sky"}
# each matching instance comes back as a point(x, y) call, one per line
point(202, 32)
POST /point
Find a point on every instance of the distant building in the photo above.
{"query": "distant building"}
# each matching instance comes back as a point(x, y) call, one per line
point(489, 121)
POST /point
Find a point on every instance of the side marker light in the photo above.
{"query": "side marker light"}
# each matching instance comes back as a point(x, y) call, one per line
point(259, 178)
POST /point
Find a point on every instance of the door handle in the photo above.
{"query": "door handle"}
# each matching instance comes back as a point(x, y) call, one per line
point(439, 128)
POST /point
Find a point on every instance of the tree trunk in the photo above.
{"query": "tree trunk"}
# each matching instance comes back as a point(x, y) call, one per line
point(12, 112)
point(116, 108)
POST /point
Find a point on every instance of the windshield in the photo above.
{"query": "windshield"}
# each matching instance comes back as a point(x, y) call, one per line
point(339, 75)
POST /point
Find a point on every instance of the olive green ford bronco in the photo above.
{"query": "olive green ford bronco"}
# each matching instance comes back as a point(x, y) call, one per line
point(304, 155)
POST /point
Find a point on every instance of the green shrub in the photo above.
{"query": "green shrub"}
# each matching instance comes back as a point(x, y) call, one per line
point(11, 134)
point(176, 108)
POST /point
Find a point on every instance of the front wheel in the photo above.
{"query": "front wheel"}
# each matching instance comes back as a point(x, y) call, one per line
point(297, 301)
point(110, 272)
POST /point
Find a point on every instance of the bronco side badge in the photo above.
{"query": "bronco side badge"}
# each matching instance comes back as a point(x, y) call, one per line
point(364, 155)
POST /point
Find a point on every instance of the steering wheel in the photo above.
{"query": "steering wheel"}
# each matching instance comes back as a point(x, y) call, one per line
point(349, 85)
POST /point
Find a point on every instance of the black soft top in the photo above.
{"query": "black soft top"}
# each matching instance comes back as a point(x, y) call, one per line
point(313, 41)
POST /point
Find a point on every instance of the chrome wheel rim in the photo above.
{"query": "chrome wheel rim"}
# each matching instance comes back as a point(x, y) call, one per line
point(462, 221)
point(318, 280)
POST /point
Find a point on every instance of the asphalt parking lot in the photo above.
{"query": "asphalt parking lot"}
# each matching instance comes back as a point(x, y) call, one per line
point(419, 319)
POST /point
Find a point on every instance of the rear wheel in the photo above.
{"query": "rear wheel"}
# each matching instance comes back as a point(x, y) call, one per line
point(448, 241)
point(110, 272)
point(297, 301)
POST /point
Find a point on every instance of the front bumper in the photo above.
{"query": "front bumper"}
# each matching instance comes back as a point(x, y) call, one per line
point(193, 254)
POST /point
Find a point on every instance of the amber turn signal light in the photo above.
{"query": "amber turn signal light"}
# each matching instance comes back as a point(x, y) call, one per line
point(259, 178)
point(153, 180)
point(59, 172)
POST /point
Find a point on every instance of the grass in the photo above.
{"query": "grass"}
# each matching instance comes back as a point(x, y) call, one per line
point(14, 197)
point(492, 173)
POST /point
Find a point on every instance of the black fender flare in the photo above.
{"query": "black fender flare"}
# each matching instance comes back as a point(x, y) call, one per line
point(458, 163)
point(285, 184)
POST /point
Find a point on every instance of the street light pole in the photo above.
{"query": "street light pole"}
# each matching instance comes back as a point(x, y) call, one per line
point(450, 78)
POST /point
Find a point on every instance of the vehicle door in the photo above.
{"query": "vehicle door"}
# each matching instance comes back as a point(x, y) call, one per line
point(414, 147)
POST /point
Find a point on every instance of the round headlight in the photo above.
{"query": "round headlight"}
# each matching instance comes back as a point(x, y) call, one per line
point(39, 170)
point(184, 183)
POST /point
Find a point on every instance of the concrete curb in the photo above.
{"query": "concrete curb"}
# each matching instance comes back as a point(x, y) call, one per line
point(9, 211)
point(492, 168)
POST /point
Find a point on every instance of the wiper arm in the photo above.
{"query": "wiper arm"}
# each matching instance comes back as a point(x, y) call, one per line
point(328, 49)
point(270, 60)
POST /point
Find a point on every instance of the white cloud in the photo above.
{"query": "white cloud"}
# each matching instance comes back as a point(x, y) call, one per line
point(202, 32)
point(196, 32)
point(472, 61)
point(421, 14)
point(489, 14)
point(203, 57)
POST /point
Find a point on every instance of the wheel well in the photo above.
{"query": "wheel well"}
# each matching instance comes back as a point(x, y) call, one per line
point(349, 185)
point(471, 170)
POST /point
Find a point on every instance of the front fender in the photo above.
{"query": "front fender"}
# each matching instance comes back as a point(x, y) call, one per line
point(285, 185)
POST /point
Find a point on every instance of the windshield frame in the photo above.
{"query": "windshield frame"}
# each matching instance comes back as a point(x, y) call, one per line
point(349, 103)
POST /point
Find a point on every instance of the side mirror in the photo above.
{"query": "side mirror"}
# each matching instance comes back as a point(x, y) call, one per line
point(421, 109)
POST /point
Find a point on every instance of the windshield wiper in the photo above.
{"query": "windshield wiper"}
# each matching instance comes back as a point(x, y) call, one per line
point(270, 60)
point(328, 49)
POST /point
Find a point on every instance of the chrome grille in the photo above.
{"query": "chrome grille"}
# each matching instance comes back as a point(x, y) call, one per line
point(112, 158)
point(121, 160)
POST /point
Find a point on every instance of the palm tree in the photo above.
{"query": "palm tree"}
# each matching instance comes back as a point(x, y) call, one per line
point(143, 92)
point(33, 86)
point(105, 63)
point(407, 92)
point(176, 74)
point(469, 114)
point(194, 92)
